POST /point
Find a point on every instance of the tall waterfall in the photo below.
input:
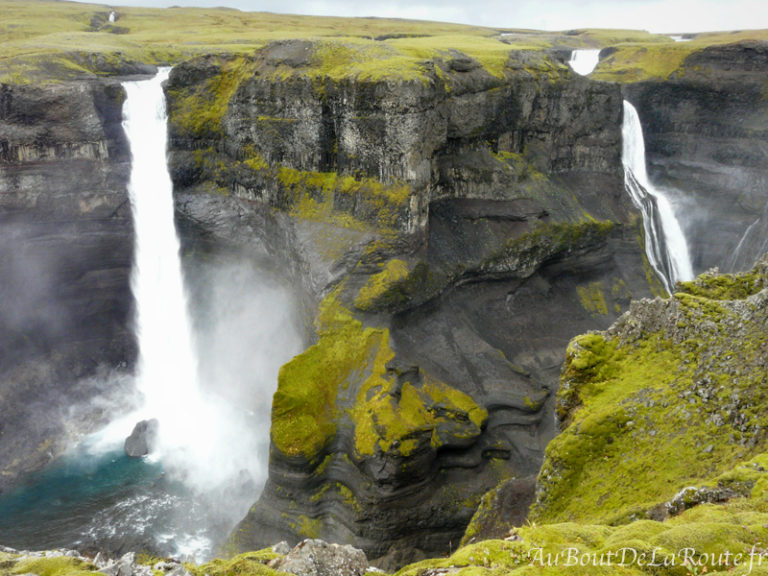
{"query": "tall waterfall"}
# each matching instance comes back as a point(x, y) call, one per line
point(584, 61)
point(167, 367)
point(210, 388)
point(665, 242)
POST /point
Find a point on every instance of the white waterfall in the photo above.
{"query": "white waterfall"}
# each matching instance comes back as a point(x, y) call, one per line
point(209, 383)
point(665, 242)
point(167, 372)
point(584, 61)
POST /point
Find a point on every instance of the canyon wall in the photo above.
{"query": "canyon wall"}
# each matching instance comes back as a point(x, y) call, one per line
point(705, 130)
point(452, 232)
point(65, 260)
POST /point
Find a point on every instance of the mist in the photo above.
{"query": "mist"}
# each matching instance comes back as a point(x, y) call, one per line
point(212, 332)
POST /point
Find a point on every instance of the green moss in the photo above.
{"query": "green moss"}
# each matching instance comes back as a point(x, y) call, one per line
point(674, 383)
point(378, 284)
point(248, 564)
point(706, 539)
point(198, 111)
point(401, 418)
point(318, 196)
point(419, 285)
point(58, 566)
point(716, 286)
point(309, 527)
point(641, 62)
point(524, 254)
point(592, 298)
point(304, 406)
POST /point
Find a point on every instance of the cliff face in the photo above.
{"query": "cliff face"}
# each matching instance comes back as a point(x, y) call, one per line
point(705, 130)
point(454, 231)
point(457, 132)
point(65, 260)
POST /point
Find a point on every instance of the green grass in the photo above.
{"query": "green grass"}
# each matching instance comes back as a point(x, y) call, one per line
point(35, 33)
point(644, 60)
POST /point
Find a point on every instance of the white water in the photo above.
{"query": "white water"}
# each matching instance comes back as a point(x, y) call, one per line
point(167, 367)
point(584, 61)
point(208, 378)
point(665, 243)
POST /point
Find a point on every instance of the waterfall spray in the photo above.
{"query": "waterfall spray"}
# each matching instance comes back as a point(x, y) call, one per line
point(665, 243)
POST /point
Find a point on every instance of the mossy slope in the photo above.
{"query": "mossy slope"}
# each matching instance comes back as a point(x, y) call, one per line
point(713, 539)
point(388, 414)
point(672, 395)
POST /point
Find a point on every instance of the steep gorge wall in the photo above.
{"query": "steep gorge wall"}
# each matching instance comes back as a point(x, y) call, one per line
point(455, 232)
point(706, 133)
point(65, 258)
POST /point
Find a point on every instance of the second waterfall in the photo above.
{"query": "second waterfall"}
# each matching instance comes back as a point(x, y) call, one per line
point(665, 243)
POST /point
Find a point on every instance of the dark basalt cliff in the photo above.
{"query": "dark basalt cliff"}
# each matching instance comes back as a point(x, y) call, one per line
point(449, 232)
point(65, 258)
point(455, 232)
point(705, 130)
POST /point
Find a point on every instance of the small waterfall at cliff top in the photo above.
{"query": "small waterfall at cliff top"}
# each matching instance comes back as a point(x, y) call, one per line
point(665, 243)
point(583, 62)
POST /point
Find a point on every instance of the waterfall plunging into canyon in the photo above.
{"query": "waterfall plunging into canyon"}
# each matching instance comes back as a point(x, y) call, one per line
point(583, 62)
point(665, 243)
point(167, 367)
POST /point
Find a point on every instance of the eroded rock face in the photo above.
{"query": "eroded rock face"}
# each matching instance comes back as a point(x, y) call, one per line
point(444, 306)
point(65, 258)
point(705, 131)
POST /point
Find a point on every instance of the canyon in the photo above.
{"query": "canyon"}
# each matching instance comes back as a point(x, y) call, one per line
point(444, 235)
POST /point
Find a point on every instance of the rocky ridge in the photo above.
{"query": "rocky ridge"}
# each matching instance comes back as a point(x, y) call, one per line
point(430, 256)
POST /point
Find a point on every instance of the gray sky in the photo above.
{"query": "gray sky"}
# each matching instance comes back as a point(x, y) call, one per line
point(652, 15)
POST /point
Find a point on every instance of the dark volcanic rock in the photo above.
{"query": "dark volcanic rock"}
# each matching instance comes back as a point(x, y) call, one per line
point(142, 439)
point(706, 132)
point(318, 558)
point(65, 258)
point(506, 180)
point(502, 509)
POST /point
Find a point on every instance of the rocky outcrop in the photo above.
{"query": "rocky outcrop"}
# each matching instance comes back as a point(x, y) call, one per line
point(706, 137)
point(261, 136)
point(677, 381)
point(454, 231)
point(65, 260)
point(142, 439)
point(318, 558)
point(308, 558)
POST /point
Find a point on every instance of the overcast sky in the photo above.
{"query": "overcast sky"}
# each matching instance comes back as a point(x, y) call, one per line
point(652, 15)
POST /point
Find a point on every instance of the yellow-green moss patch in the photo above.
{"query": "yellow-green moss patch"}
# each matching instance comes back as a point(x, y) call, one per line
point(672, 396)
point(304, 406)
point(395, 271)
point(402, 418)
point(592, 298)
point(57, 566)
point(247, 564)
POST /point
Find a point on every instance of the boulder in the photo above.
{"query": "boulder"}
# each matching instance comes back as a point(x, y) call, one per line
point(142, 440)
point(319, 558)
